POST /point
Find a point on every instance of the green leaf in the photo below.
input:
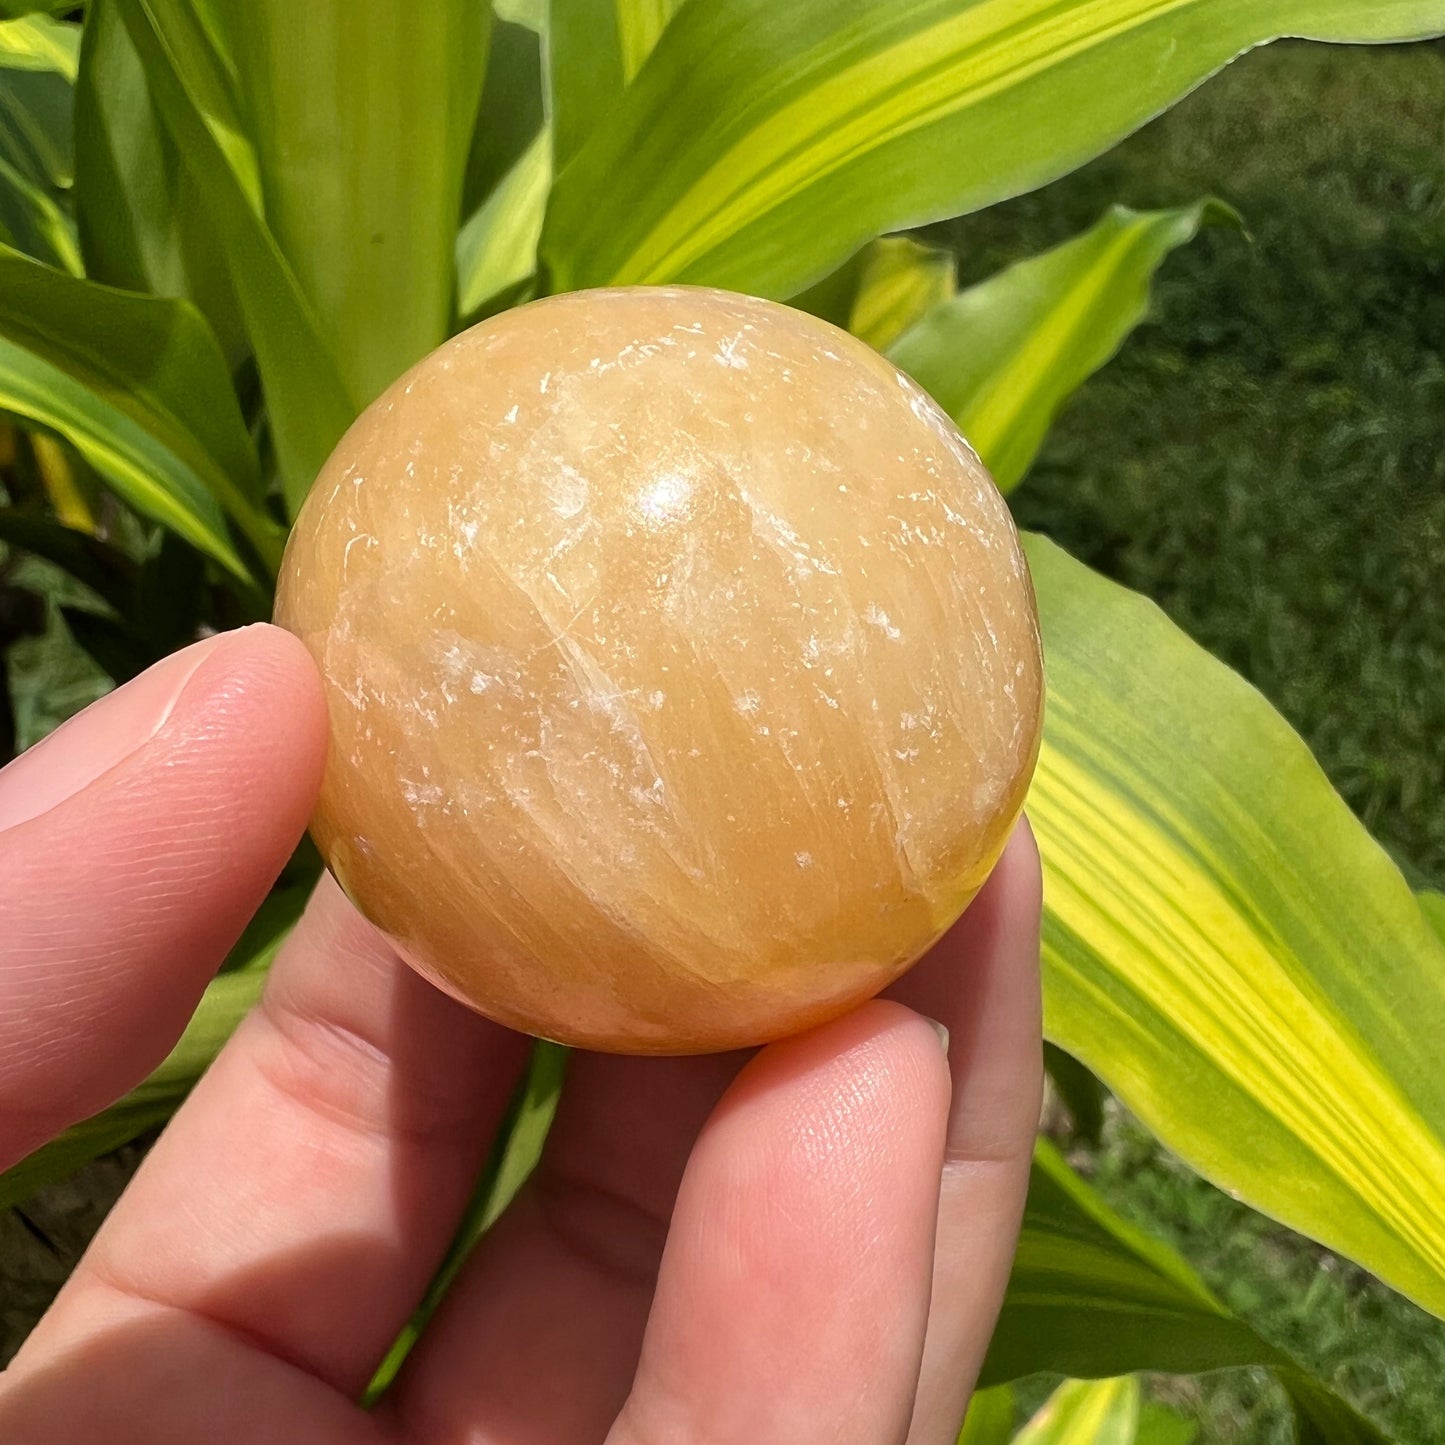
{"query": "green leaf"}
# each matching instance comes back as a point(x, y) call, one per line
point(1004, 356)
point(514, 1156)
point(884, 289)
point(900, 281)
point(1432, 905)
point(762, 142)
point(143, 222)
point(1086, 1412)
point(155, 361)
point(1224, 944)
point(32, 221)
point(596, 49)
point(224, 1004)
point(36, 89)
point(1159, 1425)
point(1079, 1091)
point(512, 111)
point(307, 404)
point(11, 9)
point(362, 114)
point(104, 569)
point(497, 248)
point(39, 43)
point(149, 476)
point(531, 13)
point(1093, 1297)
point(990, 1419)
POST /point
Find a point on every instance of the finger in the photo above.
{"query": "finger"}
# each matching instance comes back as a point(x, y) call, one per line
point(982, 983)
point(305, 1193)
point(560, 1289)
point(138, 839)
point(793, 1293)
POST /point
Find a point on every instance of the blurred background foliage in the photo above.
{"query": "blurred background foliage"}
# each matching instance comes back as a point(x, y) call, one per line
point(1266, 459)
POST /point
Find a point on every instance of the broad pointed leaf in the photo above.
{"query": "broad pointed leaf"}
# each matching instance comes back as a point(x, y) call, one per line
point(1432, 905)
point(40, 43)
point(362, 112)
point(990, 1419)
point(32, 221)
point(883, 290)
point(1086, 1412)
point(1091, 1296)
point(154, 360)
point(762, 142)
point(307, 404)
point(1225, 945)
point(1003, 357)
point(497, 248)
point(597, 47)
point(513, 110)
point(142, 470)
point(37, 75)
point(143, 223)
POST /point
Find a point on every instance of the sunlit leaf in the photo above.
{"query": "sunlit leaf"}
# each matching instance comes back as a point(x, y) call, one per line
point(1086, 1412)
point(513, 110)
point(153, 360)
point(40, 43)
point(361, 113)
point(762, 143)
point(596, 48)
point(883, 290)
point(147, 474)
point(37, 74)
point(497, 248)
point(1093, 1297)
point(1159, 1425)
point(1225, 945)
point(307, 403)
point(990, 1419)
point(1432, 905)
point(1002, 357)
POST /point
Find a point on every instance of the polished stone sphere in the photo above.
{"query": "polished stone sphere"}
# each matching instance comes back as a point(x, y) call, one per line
point(682, 664)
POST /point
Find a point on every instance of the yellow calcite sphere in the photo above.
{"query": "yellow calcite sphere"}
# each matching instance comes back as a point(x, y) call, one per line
point(682, 663)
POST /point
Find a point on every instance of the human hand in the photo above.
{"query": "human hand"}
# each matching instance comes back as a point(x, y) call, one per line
point(727, 1249)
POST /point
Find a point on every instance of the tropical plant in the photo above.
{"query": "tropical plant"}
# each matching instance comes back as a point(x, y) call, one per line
point(228, 224)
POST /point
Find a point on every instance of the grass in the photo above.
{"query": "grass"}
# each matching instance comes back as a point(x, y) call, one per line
point(1266, 459)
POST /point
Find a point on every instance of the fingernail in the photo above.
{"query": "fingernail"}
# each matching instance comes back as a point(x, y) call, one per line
point(939, 1029)
point(97, 739)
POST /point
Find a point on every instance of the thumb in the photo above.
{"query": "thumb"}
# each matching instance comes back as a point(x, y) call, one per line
point(135, 842)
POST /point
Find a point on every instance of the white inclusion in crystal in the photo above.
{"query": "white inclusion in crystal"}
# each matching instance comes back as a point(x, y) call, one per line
point(421, 794)
point(727, 354)
point(803, 860)
point(569, 491)
point(511, 416)
point(875, 616)
point(746, 702)
point(666, 498)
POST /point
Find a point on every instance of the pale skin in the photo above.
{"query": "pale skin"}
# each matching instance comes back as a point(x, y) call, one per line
point(805, 1244)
